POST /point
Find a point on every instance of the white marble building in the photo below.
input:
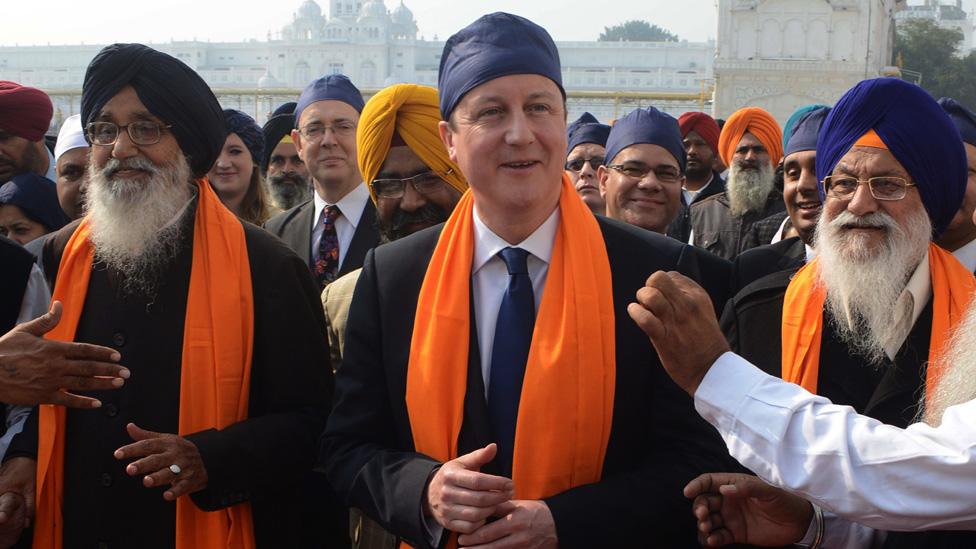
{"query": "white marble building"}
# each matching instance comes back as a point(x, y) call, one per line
point(783, 54)
point(376, 47)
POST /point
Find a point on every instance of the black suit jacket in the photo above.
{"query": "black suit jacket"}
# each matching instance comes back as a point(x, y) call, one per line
point(755, 263)
point(17, 264)
point(294, 226)
point(657, 441)
point(680, 228)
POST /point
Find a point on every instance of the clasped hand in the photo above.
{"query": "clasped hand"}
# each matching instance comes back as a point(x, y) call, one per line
point(462, 499)
point(156, 453)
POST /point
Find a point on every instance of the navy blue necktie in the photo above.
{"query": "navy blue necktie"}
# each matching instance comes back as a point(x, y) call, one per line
point(509, 353)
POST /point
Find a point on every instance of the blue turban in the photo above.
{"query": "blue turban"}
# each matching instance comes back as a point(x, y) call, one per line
point(646, 126)
point(963, 118)
point(172, 91)
point(37, 197)
point(915, 129)
point(801, 131)
point(586, 129)
point(790, 126)
point(336, 87)
point(248, 130)
point(498, 44)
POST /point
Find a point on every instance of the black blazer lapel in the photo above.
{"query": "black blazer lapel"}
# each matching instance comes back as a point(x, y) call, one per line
point(363, 240)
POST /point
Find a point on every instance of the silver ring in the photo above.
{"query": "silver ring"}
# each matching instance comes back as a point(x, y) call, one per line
point(175, 469)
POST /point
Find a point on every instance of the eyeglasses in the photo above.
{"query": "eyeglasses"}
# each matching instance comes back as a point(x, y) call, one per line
point(664, 174)
point(576, 164)
point(314, 132)
point(141, 133)
point(424, 183)
point(882, 188)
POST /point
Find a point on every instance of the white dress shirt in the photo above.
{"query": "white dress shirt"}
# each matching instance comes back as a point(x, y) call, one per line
point(918, 478)
point(489, 277)
point(351, 209)
point(967, 256)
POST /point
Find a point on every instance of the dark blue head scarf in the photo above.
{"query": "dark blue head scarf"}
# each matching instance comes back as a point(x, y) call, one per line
point(914, 128)
point(336, 87)
point(37, 197)
point(248, 130)
point(586, 129)
point(498, 44)
point(285, 108)
point(646, 126)
point(172, 91)
point(801, 131)
point(963, 118)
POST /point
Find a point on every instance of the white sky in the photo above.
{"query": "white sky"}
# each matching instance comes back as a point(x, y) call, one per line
point(40, 22)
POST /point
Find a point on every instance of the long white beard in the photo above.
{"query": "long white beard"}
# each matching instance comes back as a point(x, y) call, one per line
point(135, 224)
point(958, 383)
point(748, 190)
point(863, 284)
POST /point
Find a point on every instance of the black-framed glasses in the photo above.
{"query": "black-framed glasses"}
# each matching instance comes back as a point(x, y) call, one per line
point(576, 164)
point(424, 183)
point(143, 132)
point(316, 131)
point(664, 174)
point(882, 188)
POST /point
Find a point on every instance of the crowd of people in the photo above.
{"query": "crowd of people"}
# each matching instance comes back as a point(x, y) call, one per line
point(453, 317)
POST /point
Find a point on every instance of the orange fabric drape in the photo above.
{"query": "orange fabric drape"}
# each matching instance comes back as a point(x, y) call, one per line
point(566, 407)
point(952, 289)
point(215, 379)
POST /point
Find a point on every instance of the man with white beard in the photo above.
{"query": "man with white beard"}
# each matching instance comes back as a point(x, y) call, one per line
point(217, 321)
point(878, 304)
point(751, 145)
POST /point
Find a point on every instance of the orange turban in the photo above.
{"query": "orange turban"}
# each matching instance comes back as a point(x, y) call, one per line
point(759, 123)
point(412, 112)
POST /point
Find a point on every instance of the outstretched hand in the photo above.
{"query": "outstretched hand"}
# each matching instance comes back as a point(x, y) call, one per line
point(34, 370)
point(677, 315)
point(739, 508)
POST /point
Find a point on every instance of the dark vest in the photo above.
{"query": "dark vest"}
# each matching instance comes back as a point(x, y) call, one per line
point(17, 263)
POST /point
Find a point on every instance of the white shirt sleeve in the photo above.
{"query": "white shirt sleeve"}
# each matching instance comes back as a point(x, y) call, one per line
point(919, 478)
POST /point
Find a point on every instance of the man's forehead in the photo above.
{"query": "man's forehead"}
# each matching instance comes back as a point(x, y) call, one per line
point(401, 161)
point(328, 111)
point(126, 104)
point(584, 149)
point(647, 153)
point(749, 140)
point(871, 161)
point(284, 149)
point(515, 87)
point(695, 137)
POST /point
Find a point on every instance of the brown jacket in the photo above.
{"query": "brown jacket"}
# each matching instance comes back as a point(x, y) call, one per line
point(716, 230)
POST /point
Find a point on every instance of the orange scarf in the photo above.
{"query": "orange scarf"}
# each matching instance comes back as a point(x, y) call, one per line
point(803, 306)
point(566, 407)
point(216, 368)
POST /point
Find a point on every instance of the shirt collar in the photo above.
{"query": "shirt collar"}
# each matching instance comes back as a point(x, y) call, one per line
point(967, 255)
point(351, 206)
point(917, 293)
point(487, 244)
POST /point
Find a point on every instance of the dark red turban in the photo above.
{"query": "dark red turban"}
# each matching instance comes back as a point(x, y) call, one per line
point(24, 111)
point(703, 125)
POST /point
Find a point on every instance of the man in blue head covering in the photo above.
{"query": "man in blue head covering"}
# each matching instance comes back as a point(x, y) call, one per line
point(434, 434)
point(587, 145)
point(643, 174)
point(865, 324)
point(333, 231)
point(960, 236)
point(793, 244)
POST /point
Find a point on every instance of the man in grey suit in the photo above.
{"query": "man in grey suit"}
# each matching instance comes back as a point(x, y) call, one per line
point(333, 231)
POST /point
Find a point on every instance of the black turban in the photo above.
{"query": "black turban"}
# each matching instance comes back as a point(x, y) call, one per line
point(275, 129)
point(171, 91)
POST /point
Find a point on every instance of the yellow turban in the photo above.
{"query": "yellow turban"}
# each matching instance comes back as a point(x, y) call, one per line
point(757, 122)
point(413, 112)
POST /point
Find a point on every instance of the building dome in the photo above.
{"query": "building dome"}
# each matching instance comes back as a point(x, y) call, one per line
point(310, 9)
point(402, 15)
point(268, 81)
point(373, 8)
